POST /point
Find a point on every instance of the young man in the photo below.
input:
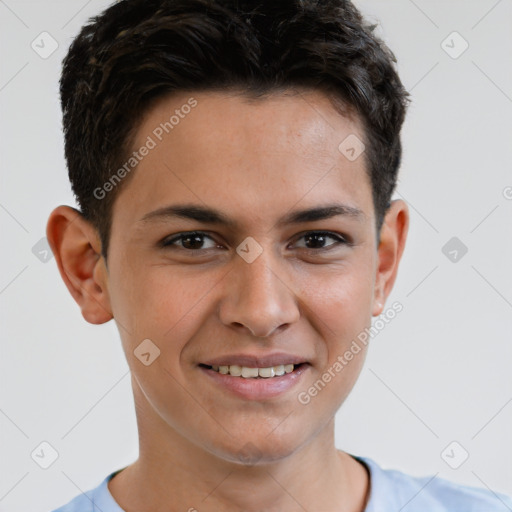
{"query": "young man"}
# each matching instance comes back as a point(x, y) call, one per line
point(234, 164)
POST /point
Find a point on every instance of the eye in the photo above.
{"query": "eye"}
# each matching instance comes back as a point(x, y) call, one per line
point(192, 241)
point(316, 240)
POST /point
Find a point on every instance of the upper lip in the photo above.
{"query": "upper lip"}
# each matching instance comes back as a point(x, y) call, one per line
point(256, 361)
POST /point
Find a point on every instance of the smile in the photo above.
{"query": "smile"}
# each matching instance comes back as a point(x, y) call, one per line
point(252, 383)
point(254, 373)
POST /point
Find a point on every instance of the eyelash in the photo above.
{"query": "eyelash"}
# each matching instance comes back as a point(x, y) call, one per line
point(171, 243)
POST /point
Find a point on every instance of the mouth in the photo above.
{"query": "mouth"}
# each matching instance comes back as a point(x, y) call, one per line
point(255, 383)
point(247, 372)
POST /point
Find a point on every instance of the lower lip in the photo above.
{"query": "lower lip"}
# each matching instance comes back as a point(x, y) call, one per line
point(257, 388)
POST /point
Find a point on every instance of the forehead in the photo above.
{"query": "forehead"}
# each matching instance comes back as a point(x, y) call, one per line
point(253, 156)
point(295, 120)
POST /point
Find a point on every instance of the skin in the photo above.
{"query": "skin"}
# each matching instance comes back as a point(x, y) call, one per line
point(255, 162)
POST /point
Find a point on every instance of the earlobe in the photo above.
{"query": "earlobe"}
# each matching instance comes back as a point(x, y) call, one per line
point(392, 243)
point(77, 249)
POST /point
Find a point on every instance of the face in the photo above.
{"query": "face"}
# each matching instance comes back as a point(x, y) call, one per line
point(256, 284)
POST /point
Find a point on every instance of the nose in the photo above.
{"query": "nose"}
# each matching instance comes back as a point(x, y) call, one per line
point(258, 297)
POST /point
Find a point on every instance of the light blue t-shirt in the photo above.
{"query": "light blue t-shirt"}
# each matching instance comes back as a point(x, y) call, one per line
point(390, 491)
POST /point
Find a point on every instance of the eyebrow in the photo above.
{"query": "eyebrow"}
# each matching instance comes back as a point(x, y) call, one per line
point(212, 216)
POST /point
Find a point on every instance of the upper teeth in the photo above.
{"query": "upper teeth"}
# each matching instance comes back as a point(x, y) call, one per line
point(246, 372)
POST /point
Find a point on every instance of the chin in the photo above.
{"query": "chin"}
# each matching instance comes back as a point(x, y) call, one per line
point(254, 451)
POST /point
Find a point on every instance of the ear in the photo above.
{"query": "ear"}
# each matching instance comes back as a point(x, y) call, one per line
point(392, 242)
point(76, 246)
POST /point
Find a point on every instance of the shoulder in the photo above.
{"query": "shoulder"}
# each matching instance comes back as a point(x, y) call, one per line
point(392, 489)
point(82, 503)
point(98, 499)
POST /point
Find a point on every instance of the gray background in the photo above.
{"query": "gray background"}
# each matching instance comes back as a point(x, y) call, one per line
point(438, 373)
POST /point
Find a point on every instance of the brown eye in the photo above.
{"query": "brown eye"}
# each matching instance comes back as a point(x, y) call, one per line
point(193, 241)
point(317, 240)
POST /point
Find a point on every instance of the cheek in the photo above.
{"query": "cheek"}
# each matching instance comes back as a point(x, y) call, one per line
point(339, 303)
point(161, 303)
point(339, 312)
point(339, 308)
